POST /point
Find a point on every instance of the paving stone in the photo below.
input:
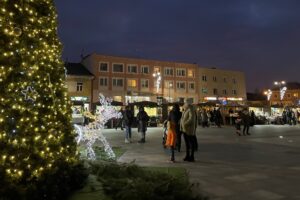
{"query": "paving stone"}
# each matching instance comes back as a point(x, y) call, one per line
point(266, 195)
point(246, 177)
point(218, 191)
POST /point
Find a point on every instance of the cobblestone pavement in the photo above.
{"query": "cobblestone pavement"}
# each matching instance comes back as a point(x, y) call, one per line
point(264, 165)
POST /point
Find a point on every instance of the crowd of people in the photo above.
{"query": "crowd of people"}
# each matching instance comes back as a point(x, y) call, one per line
point(207, 117)
point(290, 116)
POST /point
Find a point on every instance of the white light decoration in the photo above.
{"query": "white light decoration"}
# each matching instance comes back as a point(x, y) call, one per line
point(282, 92)
point(88, 135)
point(269, 94)
point(158, 80)
point(29, 93)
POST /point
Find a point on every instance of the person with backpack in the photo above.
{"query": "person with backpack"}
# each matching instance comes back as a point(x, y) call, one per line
point(142, 120)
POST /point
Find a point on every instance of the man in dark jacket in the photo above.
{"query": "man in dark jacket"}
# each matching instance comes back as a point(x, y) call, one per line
point(142, 119)
point(127, 123)
point(246, 122)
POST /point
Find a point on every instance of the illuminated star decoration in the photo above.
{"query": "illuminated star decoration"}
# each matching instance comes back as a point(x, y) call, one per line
point(29, 93)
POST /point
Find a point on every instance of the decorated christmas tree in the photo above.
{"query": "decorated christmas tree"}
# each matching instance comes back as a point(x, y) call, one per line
point(36, 135)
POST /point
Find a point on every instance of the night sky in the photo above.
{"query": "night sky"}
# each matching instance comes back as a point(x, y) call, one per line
point(259, 37)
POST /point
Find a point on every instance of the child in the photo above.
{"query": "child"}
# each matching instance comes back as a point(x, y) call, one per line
point(238, 123)
point(171, 139)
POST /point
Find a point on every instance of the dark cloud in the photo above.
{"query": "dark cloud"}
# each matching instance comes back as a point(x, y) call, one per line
point(259, 37)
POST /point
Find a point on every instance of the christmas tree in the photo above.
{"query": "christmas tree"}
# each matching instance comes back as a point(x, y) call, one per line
point(36, 135)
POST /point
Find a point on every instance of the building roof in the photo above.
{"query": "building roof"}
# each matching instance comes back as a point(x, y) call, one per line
point(77, 69)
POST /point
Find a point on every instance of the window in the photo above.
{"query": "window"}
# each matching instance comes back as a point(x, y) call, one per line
point(180, 72)
point(233, 81)
point(118, 68)
point(204, 91)
point(180, 85)
point(131, 83)
point(169, 84)
point(144, 83)
point(191, 86)
point(204, 78)
point(225, 80)
point(215, 91)
point(79, 87)
point(103, 81)
point(191, 73)
point(224, 91)
point(103, 67)
point(145, 69)
point(117, 82)
point(168, 71)
point(132, 69)
point(214, 78)
point(234, 92)
point(275, 96)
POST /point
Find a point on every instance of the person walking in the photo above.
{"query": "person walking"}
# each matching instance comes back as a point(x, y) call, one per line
point(127, 123)
point(187, 126)
point(218, 117)
point(238, 123)
point(174, 117)
point(142, 119)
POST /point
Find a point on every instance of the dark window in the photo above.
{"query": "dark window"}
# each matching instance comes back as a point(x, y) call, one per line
point(117, 67)
point(103, 67)
point(79, 87)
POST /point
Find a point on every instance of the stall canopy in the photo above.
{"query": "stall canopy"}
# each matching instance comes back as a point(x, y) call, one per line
point(144, 104)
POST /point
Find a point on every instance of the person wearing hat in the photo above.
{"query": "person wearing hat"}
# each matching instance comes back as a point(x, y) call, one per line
point(188, 127)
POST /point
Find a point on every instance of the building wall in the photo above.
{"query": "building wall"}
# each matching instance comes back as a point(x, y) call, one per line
point(93, 61)
point(86, 86)
point(227, 83)
point(92, 64)
point(291, 97)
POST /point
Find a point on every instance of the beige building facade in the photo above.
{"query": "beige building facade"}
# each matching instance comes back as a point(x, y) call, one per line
point(129, 80)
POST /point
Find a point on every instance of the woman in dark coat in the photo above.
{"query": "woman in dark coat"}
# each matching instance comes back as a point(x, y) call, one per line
point(174, 117)
point(142, 119)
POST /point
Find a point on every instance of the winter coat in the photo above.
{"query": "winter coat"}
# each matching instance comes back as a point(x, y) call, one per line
point(142, 119)
point(175, 118)
point(188, 121)
point(127, 118)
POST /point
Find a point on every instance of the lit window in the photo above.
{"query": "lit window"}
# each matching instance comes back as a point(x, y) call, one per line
point(131, 83)
point(191, 73)
point(204, 91)
point(156, 69)
point(79, 87)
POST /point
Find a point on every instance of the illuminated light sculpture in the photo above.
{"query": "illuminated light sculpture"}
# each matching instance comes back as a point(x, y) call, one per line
point(88, 135)
point(158, 80)
point(282, 92)
point(269, 94)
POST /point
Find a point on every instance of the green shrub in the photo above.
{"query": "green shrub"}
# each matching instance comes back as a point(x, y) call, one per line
point(130, 182)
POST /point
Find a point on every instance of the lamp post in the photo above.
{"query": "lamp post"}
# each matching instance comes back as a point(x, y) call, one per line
point(282, 89)
point(158, 80)
point(268, 93)
point(170, 85)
